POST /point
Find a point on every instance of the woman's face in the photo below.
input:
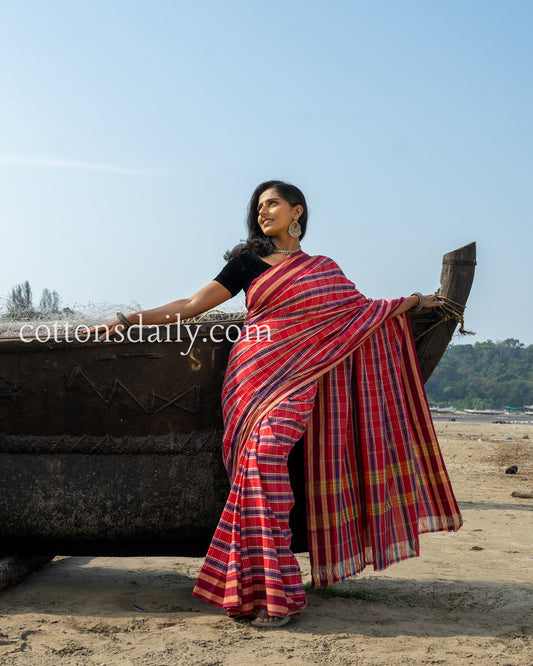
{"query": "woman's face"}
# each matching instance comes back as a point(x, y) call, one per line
point(274, 214)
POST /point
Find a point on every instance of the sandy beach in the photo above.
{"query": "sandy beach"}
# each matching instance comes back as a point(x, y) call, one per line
point(468, 599)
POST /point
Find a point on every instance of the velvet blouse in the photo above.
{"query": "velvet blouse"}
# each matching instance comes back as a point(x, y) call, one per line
point(241, 271)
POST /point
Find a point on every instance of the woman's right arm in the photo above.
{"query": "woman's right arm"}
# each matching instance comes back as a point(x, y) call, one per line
point(208, 297)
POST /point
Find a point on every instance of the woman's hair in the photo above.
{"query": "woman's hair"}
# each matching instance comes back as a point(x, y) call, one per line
point(257, 242)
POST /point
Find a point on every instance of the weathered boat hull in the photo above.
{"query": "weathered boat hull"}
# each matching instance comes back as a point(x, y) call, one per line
point(110, 448)
point(115, 448)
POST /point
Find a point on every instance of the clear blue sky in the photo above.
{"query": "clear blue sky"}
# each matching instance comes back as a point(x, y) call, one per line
point(133, 133)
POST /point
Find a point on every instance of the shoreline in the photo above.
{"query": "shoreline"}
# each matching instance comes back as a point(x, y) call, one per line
point(495, 419)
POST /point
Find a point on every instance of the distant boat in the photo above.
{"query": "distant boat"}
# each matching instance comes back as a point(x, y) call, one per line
point(443, 410)
point(484, 412)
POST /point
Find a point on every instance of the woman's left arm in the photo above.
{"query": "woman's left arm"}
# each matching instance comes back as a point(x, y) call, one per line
point(429, 301)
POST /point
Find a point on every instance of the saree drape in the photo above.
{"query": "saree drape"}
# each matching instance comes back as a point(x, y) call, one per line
point(317, 358)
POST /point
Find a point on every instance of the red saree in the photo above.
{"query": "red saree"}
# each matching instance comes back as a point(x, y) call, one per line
point(342, 371)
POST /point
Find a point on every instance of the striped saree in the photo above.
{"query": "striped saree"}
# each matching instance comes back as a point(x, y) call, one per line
point(317, 359)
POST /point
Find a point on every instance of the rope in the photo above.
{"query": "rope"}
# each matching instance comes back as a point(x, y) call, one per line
point(450, 311)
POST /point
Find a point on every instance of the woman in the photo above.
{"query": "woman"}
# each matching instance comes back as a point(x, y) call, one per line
point(339, 369)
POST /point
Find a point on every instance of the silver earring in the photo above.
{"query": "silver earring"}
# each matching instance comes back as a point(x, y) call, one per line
point(295, 230)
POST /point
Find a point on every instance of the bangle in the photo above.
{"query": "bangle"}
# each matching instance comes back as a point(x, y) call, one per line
point(420, 305)
point(124, 320)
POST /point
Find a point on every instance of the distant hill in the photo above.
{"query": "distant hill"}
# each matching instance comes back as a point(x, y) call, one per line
point(486, 375)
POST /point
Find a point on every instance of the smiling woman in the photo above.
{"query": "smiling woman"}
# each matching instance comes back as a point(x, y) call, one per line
point(280, 212)
point(276, 209)
point(339, 370)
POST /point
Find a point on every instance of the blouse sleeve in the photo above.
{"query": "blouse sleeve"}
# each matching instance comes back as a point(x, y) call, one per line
point(232, 275)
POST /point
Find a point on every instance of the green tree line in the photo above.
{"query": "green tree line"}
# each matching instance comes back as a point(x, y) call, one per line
point(485, 375)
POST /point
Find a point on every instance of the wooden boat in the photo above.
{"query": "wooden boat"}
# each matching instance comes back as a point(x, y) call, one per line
point(115, 448)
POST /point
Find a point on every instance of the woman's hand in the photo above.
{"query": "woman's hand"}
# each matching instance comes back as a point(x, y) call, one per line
point(108, 330)
point(432, 301)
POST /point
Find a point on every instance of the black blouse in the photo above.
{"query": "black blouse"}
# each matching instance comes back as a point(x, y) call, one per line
point(241, 271)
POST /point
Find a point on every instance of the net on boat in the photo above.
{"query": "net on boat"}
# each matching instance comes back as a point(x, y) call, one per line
point(91, 314)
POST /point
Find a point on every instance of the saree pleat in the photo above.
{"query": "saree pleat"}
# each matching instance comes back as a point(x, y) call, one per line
point(341, 370)
point(249, 564)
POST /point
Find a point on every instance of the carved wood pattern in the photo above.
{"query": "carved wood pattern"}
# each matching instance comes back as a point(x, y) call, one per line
point(192, 394)
point(187, 444)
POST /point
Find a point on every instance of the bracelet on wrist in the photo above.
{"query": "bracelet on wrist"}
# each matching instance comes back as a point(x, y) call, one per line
point(124, 320)
point(420, 305)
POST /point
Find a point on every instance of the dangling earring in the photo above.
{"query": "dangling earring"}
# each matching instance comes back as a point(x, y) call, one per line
point(295, 230)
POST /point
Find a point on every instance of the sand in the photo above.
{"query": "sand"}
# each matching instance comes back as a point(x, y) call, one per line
point(468, 599)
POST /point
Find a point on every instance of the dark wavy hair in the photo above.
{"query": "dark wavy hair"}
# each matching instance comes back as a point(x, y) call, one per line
point(257, 242)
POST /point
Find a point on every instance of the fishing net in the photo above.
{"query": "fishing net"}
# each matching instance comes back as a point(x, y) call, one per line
point(91, 314)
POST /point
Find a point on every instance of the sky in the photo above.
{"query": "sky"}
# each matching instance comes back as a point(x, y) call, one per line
point(132, 135)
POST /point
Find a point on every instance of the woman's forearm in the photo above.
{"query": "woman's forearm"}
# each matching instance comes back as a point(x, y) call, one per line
point(208, 297)
point(164, 314)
